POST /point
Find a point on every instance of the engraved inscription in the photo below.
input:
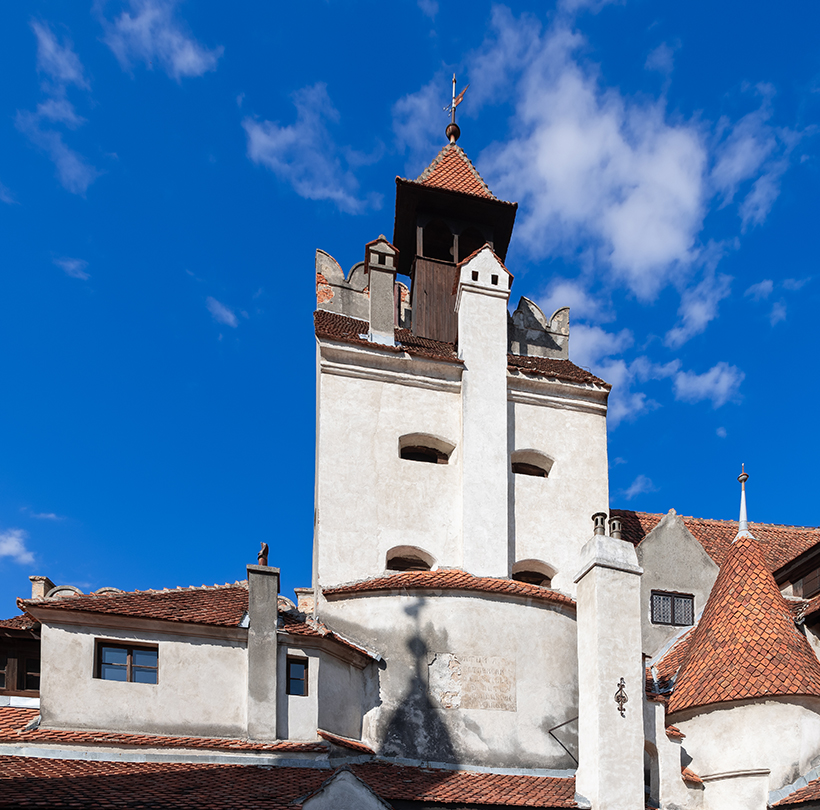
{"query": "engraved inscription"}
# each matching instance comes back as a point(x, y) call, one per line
point(472, 682)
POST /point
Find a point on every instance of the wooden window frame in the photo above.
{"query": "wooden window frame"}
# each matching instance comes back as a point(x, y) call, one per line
point(17, 652)
point(297, 659)
point(120, 645)
point(675, 597)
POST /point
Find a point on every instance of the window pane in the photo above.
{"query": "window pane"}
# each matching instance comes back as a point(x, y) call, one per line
point(140, 675)
point(32, 674)
point(112, 672)
point(4, 662)
point(32, 682)
point(661, 608)
point(114, 655)
point(684, 610)
point(144, 658)
point(297, 670)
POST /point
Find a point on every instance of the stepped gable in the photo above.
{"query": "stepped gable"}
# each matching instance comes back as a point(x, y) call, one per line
point(780, 544)
point(746, 644)
point(452, 170)
point(449, 579)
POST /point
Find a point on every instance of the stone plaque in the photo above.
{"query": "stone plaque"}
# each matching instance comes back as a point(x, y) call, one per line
point(472, 682)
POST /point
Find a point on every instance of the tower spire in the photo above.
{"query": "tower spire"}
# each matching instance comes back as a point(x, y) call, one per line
point(452, 132)
point(743, 523)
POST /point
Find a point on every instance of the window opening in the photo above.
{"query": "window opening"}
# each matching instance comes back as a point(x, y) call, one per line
point(408, 563)
point(531, 462)
point(20, 667)
point(129, 664)
point(534, 572)
point(438, 241)
point(673, 608)
point(533, 578)
point(469, 241)
point(425, 447)
point(297, 675)
point(522, 468)
point(427, 454)
point(475, 275)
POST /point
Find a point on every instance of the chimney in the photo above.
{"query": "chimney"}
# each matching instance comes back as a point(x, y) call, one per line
point(40, 586)
point(306, 600)
point(380, 263)
point(263, 618)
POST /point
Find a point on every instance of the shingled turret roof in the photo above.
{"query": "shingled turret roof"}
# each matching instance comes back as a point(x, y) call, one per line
point(451, 169)
point(746, 644)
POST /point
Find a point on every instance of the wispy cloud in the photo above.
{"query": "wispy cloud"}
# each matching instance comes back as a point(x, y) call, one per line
point(419, 124)
point(778, 313)
point(698, 307)
point(661, 59)
point(152, 33)
point(721, 432)
point(221, 313)
point(719, 385)
point(6, 196)
point(763, 289)
point(794, 284)
point(642, 484)
point(61, 68)
point(429, 8)
point(73, 267)
point(13, 546)
point(305, 155)
point(45, 516)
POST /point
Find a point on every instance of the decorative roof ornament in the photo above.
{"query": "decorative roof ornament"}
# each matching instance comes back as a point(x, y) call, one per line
point(743, 523)
point(452, 132)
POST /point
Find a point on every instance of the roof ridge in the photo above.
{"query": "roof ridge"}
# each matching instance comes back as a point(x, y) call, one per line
point(453, 183)
point(717, 520)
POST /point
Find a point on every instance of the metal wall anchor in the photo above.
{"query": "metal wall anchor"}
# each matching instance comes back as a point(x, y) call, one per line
point(621, 698)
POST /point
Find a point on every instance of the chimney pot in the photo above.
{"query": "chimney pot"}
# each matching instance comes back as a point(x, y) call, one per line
point(615, 528)
point(599, 523)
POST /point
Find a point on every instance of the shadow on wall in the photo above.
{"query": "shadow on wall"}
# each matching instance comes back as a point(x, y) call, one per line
point(415, 730)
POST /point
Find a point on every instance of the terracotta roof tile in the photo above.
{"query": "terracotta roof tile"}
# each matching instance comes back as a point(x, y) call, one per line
point(13, 724)
point(21, 622)
point(691, 777)
point(300, 625)
point(333, 326)
point(450, 579)
point(451, 169)
point(665, 669)
point(746, 644)
point(222, 605)
point(675, 733)
point(553, 368)
point(780, 544)
point(346, 742)
point(808, 793)
point(56, 783)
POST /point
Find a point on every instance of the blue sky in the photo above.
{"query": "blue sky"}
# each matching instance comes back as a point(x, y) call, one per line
point(168, 169)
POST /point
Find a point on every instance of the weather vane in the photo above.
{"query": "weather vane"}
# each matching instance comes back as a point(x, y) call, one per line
point(452, 130)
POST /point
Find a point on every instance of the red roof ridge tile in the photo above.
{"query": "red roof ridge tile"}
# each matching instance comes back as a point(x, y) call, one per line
point(452, 170)
point(345, 742)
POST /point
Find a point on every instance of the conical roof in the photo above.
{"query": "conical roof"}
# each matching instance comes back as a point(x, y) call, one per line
point(452, 170)
point(746, 644)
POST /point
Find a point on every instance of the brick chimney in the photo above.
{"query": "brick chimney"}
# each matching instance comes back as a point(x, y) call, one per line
point(40, 586)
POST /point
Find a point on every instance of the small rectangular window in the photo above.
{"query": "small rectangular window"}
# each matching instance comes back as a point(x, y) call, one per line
point(20, 667)
point(673, 608)
point(297, 676)
point(129, 664)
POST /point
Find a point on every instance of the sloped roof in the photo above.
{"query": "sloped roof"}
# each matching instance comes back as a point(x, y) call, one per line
point(803, 795)
point(21, 622)
point(13, 722)
point(746, 644)
point(553, 368)
point(59, 783)
point(450, 579)
point(452, 170)
point(780, 544)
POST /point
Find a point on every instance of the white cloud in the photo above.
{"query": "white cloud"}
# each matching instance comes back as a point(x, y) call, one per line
point(13, 545)
point(45, 516)
point(720, 384)
point(429, 8)
point(582, 303)
point(60, 110)
point(721, 431)
point(698, 307)
point(151, 33)
point(594, 6)
point(304, 154)
point(419, 124)
point(639, 486)
point(73, 267)
point(58, 60)
point(662, 59)
point(6, 196)
point(778, 313)
point(590, 344)
point(221, 313)
point(794, 284)
point(763, 289)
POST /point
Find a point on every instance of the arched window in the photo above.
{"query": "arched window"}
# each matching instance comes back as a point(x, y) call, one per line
point(535, 572)
point(425, 447)
point(409, 558)
point(469, 241)
point(437, 241)
point(531, 462)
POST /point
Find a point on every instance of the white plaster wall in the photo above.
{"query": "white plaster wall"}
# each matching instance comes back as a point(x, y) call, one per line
point(297, 716)
point(552, 516)
point(538, 644)
point(782, 735)
point(344, 791)
point(370, 500)
point(341, 697)
point(202, 688)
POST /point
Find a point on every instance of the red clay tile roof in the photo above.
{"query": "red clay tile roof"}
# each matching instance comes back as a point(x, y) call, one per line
point(451, 169)
point(450, 579)
point(675, 733)
point(346, 742)
point(809, 608)
point(553, 368)
point(21, 622)
point(300, 625)
point(808, 793)
point(691, 777)
point(56, 783)
point(222, 605)
point(333, 326)
point(13, 722)
point(780, 544)
point(746, 644)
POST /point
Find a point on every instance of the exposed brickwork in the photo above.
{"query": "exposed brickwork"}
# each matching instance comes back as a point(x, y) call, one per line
point(451, 169)
point(746, 644)
point(451, 579)
point(55, 783)
point(324, 292)
point(13, 722)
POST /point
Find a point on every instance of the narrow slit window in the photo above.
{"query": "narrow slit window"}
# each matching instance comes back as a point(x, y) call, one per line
point(531, 462)
point(427, 454)
point(297, 677)
point(425, 447)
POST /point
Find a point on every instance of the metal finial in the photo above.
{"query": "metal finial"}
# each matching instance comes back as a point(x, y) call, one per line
point(743, 523)
point(262, 556)
point(452, 132)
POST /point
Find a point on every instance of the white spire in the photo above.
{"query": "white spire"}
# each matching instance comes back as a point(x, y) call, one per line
point(743, 523)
